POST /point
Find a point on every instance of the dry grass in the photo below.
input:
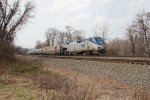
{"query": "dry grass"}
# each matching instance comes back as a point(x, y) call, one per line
point(27, 80)
point(81, 87)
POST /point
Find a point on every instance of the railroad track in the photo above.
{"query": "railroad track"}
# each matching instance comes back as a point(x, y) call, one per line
point(102, 59)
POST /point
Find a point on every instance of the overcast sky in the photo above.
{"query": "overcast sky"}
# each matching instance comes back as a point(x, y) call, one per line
point(80, 14)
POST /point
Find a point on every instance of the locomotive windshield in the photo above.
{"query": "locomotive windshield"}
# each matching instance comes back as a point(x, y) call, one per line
point(97, 40)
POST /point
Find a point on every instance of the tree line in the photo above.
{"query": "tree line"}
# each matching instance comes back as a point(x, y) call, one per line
point(55, 37)
point(137, 42)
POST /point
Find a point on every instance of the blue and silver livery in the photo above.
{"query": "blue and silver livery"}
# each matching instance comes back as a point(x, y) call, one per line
point(93, 45)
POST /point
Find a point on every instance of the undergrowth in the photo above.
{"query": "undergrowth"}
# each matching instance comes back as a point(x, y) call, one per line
point(23, 68)
point(20, 67)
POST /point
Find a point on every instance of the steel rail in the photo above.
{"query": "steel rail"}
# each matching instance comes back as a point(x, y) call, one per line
point(101, 59)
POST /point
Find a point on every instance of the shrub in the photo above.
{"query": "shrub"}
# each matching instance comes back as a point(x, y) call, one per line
point(24, 67)
point(6, 51)
point(49, 81)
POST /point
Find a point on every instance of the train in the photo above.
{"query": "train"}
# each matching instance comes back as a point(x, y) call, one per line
point(89, 46)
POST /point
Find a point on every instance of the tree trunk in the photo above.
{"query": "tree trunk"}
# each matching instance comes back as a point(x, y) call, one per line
point(147, 44)
point(133, 48)
point(52, 42)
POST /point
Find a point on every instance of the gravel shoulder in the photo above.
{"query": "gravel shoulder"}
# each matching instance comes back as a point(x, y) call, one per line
point(131, 74)
point(102, 57)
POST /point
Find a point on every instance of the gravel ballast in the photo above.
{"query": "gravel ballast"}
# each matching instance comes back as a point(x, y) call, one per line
point(132, 74)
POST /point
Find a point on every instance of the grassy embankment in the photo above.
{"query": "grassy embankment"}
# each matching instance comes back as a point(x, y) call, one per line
point(23, 80)
point(31, 80)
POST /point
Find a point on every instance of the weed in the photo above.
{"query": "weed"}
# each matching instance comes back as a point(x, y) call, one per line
point(49, 81)
point(7, 81)
point(24, 69)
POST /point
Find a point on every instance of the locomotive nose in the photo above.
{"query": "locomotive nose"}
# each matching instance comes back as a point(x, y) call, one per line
point(101, 50)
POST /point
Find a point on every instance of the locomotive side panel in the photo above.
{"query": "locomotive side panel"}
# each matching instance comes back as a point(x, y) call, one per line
point(77, 47)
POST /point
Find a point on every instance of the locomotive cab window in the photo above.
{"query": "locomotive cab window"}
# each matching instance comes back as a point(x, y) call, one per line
point(64, 49)
point(78, 41)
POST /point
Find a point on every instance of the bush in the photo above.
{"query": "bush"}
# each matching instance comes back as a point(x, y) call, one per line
point(6, 51)
point(49, 81)
point(24, 67)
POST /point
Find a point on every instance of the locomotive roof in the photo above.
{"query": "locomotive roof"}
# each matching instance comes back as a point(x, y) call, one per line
point(85, 39)
point(96, 37)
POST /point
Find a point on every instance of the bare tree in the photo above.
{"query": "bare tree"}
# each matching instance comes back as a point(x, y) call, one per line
point(38, 44)
point(141, 46)
point(126, 47)
point(61, 38)
point(74, 34)
point(47, 41)
point(101, 30)
point(117, 47)
point(79, 35)
point(133, 37)
point(141, 28)
point(51, 35)
point(113, 47)
point(12, 18)
point(69, 33)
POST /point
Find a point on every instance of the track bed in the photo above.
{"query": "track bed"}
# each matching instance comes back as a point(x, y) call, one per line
point(131, 60)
